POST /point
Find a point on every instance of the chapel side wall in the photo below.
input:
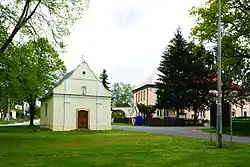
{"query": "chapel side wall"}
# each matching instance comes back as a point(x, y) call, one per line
point(42, 116)
point(46, 121)
point(58, 114)
point(105, 114)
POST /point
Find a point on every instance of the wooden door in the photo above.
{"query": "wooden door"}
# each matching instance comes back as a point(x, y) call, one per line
point(83, 119)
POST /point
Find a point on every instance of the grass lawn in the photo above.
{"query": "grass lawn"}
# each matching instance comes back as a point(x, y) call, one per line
point(21, 148)
point(11, 121)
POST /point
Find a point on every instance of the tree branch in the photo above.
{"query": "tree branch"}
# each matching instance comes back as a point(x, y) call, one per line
point(19, 24)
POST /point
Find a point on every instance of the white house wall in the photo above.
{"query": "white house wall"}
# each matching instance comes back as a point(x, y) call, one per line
point(46, 121)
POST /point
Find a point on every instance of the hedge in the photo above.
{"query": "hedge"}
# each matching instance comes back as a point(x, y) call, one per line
point(241, 127)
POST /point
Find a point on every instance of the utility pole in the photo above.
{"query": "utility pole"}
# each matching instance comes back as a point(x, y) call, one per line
point(8, 118)
point(219, 104)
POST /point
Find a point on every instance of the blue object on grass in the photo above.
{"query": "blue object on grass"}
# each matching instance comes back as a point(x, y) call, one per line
point(138, 120)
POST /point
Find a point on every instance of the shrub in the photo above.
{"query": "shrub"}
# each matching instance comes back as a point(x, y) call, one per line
point(241, 126)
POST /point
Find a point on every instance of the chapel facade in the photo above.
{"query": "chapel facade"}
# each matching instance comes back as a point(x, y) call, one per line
point(79, 101)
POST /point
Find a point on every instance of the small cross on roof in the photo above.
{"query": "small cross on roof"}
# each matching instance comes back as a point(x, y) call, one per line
point(82, 57)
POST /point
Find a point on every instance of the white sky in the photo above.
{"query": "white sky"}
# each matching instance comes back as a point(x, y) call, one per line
point(127, 37)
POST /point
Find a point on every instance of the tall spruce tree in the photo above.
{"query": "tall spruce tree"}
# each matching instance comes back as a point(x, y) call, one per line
point(104, 79)
point(174, 74)
point(186, 77)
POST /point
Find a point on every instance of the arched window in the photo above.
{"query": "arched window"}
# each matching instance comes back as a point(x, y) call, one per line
point(84, 90)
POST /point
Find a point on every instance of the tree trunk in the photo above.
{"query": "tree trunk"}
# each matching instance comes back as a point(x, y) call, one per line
point(177, 114)
point(241, 110)
point(195, 115)
point(32, 113)
point(222, 97)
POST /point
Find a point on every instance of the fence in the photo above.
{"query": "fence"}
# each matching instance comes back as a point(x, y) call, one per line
point(167, 121)
point(170, 121)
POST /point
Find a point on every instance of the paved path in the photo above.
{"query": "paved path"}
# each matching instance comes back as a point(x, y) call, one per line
point(36, 122)
point(182, 131)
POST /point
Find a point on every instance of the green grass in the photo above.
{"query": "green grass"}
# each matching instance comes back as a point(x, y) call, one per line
point(21, 147)
point(11, 121)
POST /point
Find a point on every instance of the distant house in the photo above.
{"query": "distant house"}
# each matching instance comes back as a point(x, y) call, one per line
point(128, 111)
point(145, 94)
point(78, 101)
point(10, 115)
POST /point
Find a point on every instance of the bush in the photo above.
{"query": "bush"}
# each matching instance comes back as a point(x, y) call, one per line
point(122, 120)
point(241, 127)
point(171, 121)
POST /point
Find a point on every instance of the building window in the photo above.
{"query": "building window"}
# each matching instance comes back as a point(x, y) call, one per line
point(233, 114)
point(136, 97)
point(165, 113)
point(139, 97)
point(144, 94)
point(158, 113)
point(46, 109)
point(84, 90)
point(245, 114)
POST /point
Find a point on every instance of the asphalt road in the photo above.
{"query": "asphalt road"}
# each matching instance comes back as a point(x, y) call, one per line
point(193, 132)
point(36, 122)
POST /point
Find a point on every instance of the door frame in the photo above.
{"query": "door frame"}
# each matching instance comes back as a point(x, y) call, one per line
point(82, 109)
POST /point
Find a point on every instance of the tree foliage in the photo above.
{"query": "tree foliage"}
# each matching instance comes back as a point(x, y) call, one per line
point(104, 79)
point(235, 37)
point(39, 18)
point(122, 95)
point(146, 110)
point(201, 83)
point(39, 69)
point(185, 80)
point(172, 81)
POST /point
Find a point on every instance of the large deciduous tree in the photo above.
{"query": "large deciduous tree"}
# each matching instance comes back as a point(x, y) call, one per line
point(235, 37)
point(39, 18)
point(39, 69)
point(122, 95)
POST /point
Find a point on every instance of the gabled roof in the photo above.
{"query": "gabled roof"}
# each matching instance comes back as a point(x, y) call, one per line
point(67, 76)
point(50, 92)
point(150, 81)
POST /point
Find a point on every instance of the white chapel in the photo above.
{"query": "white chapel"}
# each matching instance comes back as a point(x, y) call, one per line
point(79, 101)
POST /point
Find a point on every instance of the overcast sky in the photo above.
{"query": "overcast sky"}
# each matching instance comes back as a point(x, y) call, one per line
point(127, 37)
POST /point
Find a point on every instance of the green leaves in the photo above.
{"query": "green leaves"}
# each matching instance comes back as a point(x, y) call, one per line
point(52, 19)
point(147, 110)
point(122, 95)
point(235, 38)
point(184, 81)
point(39, 68)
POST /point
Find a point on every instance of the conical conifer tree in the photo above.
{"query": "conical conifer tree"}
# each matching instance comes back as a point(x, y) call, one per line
point(104, 79)
point(173, 75)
